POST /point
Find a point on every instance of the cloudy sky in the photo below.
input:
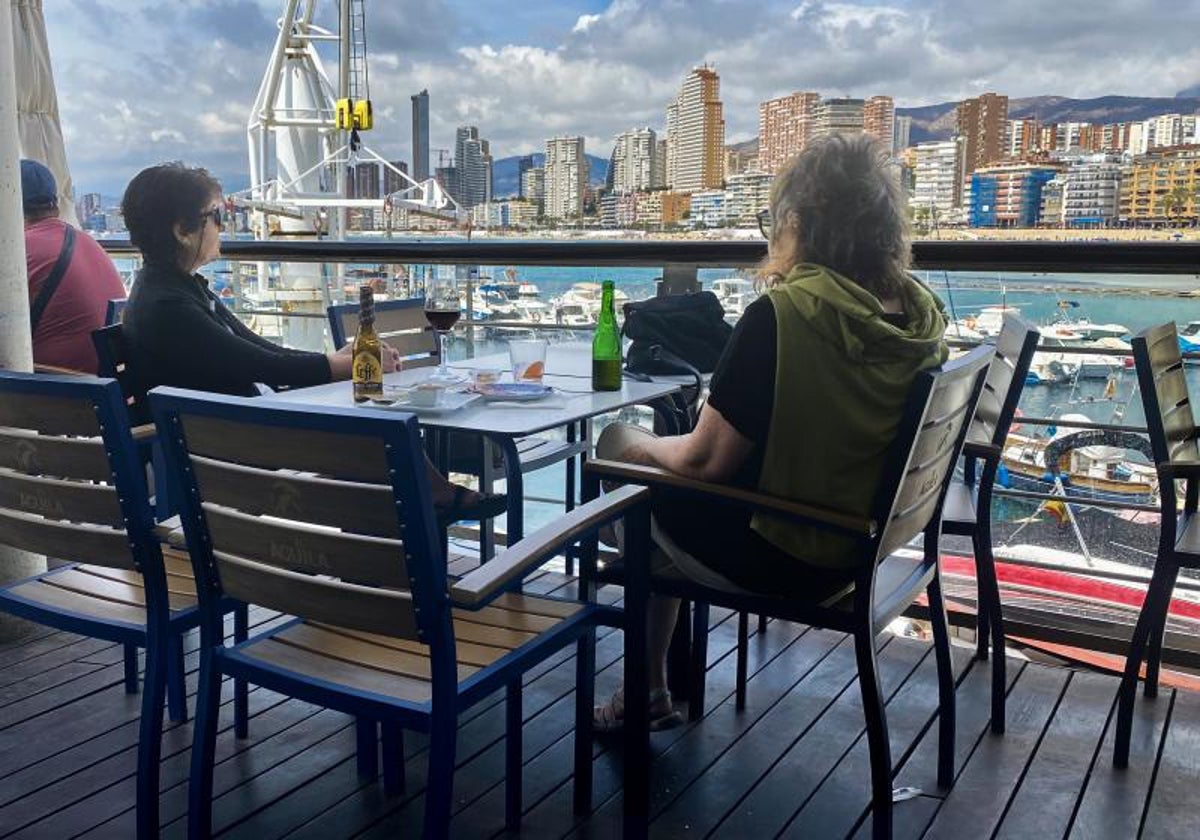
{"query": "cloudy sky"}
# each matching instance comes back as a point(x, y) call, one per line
point(141, 81)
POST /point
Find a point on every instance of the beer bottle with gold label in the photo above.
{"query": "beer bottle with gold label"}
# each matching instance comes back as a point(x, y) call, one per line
point(367, 368)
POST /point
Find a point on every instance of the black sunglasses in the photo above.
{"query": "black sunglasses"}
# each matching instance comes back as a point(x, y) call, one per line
point(764, 222)
point(216, 214)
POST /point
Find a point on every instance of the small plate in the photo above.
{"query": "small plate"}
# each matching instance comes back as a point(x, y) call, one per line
point(514, 392)
point(450, 401)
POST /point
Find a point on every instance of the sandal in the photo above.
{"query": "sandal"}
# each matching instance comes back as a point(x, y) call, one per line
point(611, 716)
point(486, 506)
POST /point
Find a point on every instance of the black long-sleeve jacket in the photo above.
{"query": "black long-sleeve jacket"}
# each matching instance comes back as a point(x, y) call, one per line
point(181, 334)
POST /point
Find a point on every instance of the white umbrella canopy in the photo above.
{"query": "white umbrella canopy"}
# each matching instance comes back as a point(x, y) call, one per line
point(38, 125)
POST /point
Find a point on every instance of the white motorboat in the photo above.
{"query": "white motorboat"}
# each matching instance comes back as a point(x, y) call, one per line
point(735, 294)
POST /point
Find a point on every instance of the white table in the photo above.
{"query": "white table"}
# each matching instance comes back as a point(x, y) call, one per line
point(568, 369)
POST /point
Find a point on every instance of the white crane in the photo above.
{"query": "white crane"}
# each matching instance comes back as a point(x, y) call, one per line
point(304, 140)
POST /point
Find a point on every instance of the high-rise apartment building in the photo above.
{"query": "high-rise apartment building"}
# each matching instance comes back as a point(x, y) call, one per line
point(981, 124)
point(839, 116)
point(879, 120)
point(902, 134)
point(785, 126)
point(658, 178)
point(745, 195)
point(937, 177)
point(1021, 137)
point(524, 164)
point(420, 136)
point(633, 160)
point(696, 133)
point(366, 180)
point(393, 182)
point(566, 171)
point(473, 159)
point(1092, 191)
point(533, 185)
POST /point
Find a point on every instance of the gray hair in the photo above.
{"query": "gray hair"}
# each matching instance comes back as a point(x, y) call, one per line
point(842, 209)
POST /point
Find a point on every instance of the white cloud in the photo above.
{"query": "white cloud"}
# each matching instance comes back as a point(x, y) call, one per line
point(187, 73)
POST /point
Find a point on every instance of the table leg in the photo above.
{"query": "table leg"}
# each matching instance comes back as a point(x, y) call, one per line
point(487, 481)
point(515, 487)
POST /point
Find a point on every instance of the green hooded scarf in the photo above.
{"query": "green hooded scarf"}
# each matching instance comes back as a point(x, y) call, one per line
point(841, 379)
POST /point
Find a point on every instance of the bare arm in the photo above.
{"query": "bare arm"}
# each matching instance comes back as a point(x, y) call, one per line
point(713, 451)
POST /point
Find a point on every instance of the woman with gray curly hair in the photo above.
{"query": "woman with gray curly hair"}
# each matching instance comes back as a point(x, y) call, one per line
point(806, 398)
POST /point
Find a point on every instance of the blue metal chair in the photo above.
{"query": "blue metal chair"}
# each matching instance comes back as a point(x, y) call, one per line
point(908, 504)
point(72, 487)
point(326, 515)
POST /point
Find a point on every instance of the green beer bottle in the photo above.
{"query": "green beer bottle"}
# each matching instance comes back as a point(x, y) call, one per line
point(606, 345)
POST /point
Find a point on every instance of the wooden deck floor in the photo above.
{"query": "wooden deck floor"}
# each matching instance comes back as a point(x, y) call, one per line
point(793, 764)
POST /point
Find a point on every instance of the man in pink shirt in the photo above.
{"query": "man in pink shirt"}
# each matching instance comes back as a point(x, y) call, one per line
point(70, 284)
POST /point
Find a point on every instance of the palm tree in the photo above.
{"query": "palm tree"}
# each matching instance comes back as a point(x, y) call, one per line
point(1175, 202)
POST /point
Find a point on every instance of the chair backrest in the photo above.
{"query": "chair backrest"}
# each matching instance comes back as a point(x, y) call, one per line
point(928, 441)
point(1015, 347)
point(1163, 383)
point(71, 483)
point(324, 514)
point(115, 360)
point(114, 311)
point(401, 323)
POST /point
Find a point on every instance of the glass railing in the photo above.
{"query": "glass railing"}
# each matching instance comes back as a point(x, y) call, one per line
point(1076, 548)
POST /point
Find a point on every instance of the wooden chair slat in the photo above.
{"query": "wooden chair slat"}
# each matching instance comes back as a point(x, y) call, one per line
point(488, 634)
point(352, 506)
point(176, 584)
point(1171, 385)
point(50, 415)
point(64, 500)
point(319, 599)
point(336, 671)
point(341, 456)
point(65, 540)
point(358, 651)
point(469, 653)
point(302, 548)
point(536, 606)
point(63, 599)
point(97, 586)
point(82, 458)
point(508, 619)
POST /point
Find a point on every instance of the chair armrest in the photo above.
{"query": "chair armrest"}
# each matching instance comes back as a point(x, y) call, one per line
point(143, 432)
point(1178, 469)
point(476, 588)
point(986, 451)
point(826, 518)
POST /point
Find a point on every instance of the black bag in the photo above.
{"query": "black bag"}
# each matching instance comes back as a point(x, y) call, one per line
point(691, 327)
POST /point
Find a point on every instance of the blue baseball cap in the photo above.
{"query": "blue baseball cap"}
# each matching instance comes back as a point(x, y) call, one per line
point(38, 187)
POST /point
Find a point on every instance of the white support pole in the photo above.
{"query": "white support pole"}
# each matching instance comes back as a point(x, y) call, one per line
point(16, 346)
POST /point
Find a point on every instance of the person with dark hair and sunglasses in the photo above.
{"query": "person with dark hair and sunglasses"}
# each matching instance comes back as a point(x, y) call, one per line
point(181, 334)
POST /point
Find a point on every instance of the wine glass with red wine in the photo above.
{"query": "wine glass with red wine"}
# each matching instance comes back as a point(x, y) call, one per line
point(442, 311)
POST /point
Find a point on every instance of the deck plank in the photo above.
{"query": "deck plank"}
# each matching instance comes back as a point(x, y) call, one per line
point(817, 749)
point(845, 795)
point(1051, 789)
point(1113, 802)
point(983, 788)
point(68, 736)
point(1173, 812)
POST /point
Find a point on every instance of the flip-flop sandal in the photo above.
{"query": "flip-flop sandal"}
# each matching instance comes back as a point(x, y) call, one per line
point(487, 506)
point(608, 719)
